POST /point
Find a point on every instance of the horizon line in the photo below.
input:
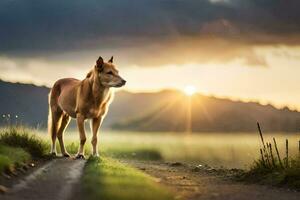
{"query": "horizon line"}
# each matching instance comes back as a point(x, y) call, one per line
point(152, 91)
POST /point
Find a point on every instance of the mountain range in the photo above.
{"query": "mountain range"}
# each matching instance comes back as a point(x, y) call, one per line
point(167, 110)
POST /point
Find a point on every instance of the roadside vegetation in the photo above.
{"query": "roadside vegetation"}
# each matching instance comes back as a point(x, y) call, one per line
point(106, 178)
point(11, 157)
point(119, 151)
point(236, 150)
point(273, 168)
point(18, 146)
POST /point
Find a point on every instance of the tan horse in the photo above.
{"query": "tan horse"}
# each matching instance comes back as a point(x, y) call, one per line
point(86, 99)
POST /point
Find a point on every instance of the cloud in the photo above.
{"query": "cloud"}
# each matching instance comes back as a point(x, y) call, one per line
point(147, 32)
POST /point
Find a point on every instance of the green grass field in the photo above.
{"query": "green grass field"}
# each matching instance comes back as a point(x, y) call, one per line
point(105, 178)
point(237, 150)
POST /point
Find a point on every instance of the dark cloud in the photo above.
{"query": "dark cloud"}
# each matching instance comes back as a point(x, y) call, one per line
point(39, 28)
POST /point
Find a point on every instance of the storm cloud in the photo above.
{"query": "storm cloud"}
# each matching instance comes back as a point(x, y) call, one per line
point(137, 30)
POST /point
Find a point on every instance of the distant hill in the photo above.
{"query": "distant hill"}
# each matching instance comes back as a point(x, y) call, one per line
point(161, 111)
point(26, 101)
point(169, 111)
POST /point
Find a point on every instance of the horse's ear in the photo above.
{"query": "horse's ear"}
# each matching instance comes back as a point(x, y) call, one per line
point(111, 59)
point(99, 63)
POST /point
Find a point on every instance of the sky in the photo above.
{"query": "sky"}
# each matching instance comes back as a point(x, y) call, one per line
point(239, 49)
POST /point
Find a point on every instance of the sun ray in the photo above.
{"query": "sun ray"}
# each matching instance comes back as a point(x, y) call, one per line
point(189, 90)
point(164, 107)
point(189, 114)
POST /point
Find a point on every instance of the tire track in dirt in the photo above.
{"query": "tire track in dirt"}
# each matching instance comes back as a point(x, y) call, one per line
point(55, 180)
point(202, 185)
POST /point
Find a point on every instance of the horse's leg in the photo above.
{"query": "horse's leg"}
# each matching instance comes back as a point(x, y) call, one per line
point(60, 133)
point(95, 124)
point(80, 124)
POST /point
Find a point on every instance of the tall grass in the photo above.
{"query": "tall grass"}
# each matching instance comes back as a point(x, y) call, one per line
point(271, 160)
point(11, 157)
point(271, 168)
point(22, 137)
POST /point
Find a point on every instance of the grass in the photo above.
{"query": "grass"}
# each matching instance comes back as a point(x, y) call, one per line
point(237, 150)
point(123, 152)
point(129, 153)
point(11, 157)
point(270, 168)
point(108, 179)
point(278, 176)
point(22, 138)
point(18, 146)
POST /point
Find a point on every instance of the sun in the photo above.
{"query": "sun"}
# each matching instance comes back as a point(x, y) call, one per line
point(189, 90)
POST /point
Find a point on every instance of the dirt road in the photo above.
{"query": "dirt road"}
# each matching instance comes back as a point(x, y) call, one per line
point(191, 183)
point(55, 180)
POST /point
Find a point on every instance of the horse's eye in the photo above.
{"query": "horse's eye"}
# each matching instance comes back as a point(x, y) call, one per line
point(110, 73)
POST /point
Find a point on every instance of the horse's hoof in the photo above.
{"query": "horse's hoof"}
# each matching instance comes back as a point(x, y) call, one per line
point(80, 156)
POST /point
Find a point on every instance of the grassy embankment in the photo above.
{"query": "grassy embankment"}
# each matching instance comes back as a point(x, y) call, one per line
point(273, 168)
point(18, 147)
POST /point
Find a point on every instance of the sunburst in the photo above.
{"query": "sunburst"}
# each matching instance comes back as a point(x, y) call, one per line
point(189, 90)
